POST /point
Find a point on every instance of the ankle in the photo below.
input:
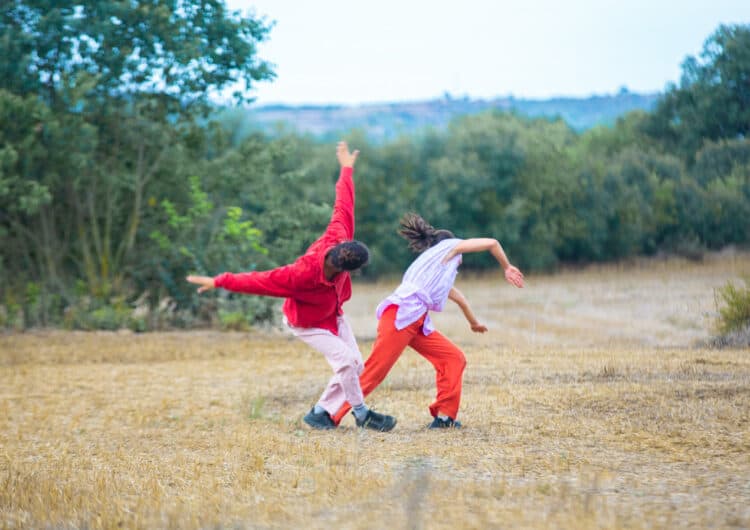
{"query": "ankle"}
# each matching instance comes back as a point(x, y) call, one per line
point(360, 411)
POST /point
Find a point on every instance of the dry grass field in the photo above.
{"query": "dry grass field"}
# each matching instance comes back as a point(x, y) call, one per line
point(590, 404)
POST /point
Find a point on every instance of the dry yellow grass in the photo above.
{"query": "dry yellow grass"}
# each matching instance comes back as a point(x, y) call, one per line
point(588, 405)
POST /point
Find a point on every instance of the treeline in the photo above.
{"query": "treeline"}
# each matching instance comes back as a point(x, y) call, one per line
point(115, 181)
point(387, 121)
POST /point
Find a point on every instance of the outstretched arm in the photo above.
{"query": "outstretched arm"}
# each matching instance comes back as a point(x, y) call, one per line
point(512, 274)
point(278, 282)
point(342, 220)
point(458, 297)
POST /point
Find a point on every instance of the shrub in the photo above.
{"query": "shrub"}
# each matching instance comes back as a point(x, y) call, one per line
point(233, 321)
point(108, 317)
point(93, 314)
point(734, 307)
point(240, 313)
point(12, 317)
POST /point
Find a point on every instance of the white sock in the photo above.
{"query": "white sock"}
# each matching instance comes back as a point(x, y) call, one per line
point(443, 417)
point(360, 411)
point(317, 409)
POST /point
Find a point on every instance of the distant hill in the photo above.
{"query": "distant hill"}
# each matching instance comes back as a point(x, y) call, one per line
point(387, 120)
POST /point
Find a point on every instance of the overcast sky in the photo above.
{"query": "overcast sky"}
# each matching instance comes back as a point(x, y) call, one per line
point(335, 51)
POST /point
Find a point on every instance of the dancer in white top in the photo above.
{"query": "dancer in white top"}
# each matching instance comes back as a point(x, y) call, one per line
point(404, 315)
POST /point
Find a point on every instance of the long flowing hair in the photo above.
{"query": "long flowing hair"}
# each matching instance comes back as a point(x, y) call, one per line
point(420, 234)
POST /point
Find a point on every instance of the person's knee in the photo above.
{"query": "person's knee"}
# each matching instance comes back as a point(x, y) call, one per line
point(350, 363)
point(459, 362)
point(452, 368)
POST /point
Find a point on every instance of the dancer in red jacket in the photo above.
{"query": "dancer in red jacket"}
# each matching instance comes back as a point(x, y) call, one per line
point(316, 286)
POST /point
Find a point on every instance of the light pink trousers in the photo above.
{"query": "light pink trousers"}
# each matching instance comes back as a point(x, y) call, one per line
point(343, 354)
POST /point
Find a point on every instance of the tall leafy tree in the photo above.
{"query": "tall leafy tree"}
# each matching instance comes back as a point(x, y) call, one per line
point(124, 84)
point(712, 101)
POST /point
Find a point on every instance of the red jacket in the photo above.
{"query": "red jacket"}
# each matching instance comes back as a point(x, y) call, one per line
point(311, 300)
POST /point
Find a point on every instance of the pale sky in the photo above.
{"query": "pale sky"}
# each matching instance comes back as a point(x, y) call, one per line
point(350, 52)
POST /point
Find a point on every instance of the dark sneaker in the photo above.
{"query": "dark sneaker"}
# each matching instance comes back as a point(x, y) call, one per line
point(376, 421)
point(320, 421)
point(450, 423)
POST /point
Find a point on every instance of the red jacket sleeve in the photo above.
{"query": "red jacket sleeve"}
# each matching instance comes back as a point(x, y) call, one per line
point(342, 219)
point(279, 282)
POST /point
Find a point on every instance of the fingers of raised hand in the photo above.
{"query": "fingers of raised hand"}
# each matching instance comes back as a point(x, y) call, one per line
point(206, 282)
point(514, 276)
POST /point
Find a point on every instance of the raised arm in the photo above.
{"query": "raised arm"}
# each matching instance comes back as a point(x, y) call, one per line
point(342, 220)
point(512, 274)
point(458, 297)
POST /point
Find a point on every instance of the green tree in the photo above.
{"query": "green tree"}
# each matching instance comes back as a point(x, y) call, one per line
point(712, 101)
point(204, 239)
point(121, 87)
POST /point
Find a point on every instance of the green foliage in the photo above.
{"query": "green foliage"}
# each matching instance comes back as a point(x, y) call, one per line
point(712, 101)
point(240, 313)
point(734, 307)
point(254, 406)
point(203, 239)
point(12, 317)
point(99, 102)
point(90, 314)
point(175, 52)
point(114, 184)
point(233, 321)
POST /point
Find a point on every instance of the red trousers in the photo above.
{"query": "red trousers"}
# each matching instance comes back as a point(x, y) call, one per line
point(446, 357)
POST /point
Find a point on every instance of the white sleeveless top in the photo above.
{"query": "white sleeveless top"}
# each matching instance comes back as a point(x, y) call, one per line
point(424, 287)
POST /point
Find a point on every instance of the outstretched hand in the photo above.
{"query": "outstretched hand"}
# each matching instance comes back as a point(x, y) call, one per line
point(206, 282)
point(514, 276)
point(478, 328)
point(346, 159)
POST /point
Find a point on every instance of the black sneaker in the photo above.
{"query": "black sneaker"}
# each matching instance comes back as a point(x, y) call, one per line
point(450, 423)
point(320, 421)
point(376, 421)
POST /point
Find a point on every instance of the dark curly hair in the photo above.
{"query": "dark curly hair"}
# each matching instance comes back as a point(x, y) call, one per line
point(420, 234)
point(350, 255)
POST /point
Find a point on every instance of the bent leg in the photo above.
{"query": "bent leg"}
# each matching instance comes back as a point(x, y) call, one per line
point(334, 395)
point(449, 362)
point(389, 345)
point(345, 361)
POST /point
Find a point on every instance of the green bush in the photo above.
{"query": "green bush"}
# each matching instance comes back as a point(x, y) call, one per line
point(240, 313)
point(91, 314)
point(233, 321)
point(12, 317)
point(109, 318)
point(734, 307)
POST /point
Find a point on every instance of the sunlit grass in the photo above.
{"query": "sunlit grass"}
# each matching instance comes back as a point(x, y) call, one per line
point(586, 406)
